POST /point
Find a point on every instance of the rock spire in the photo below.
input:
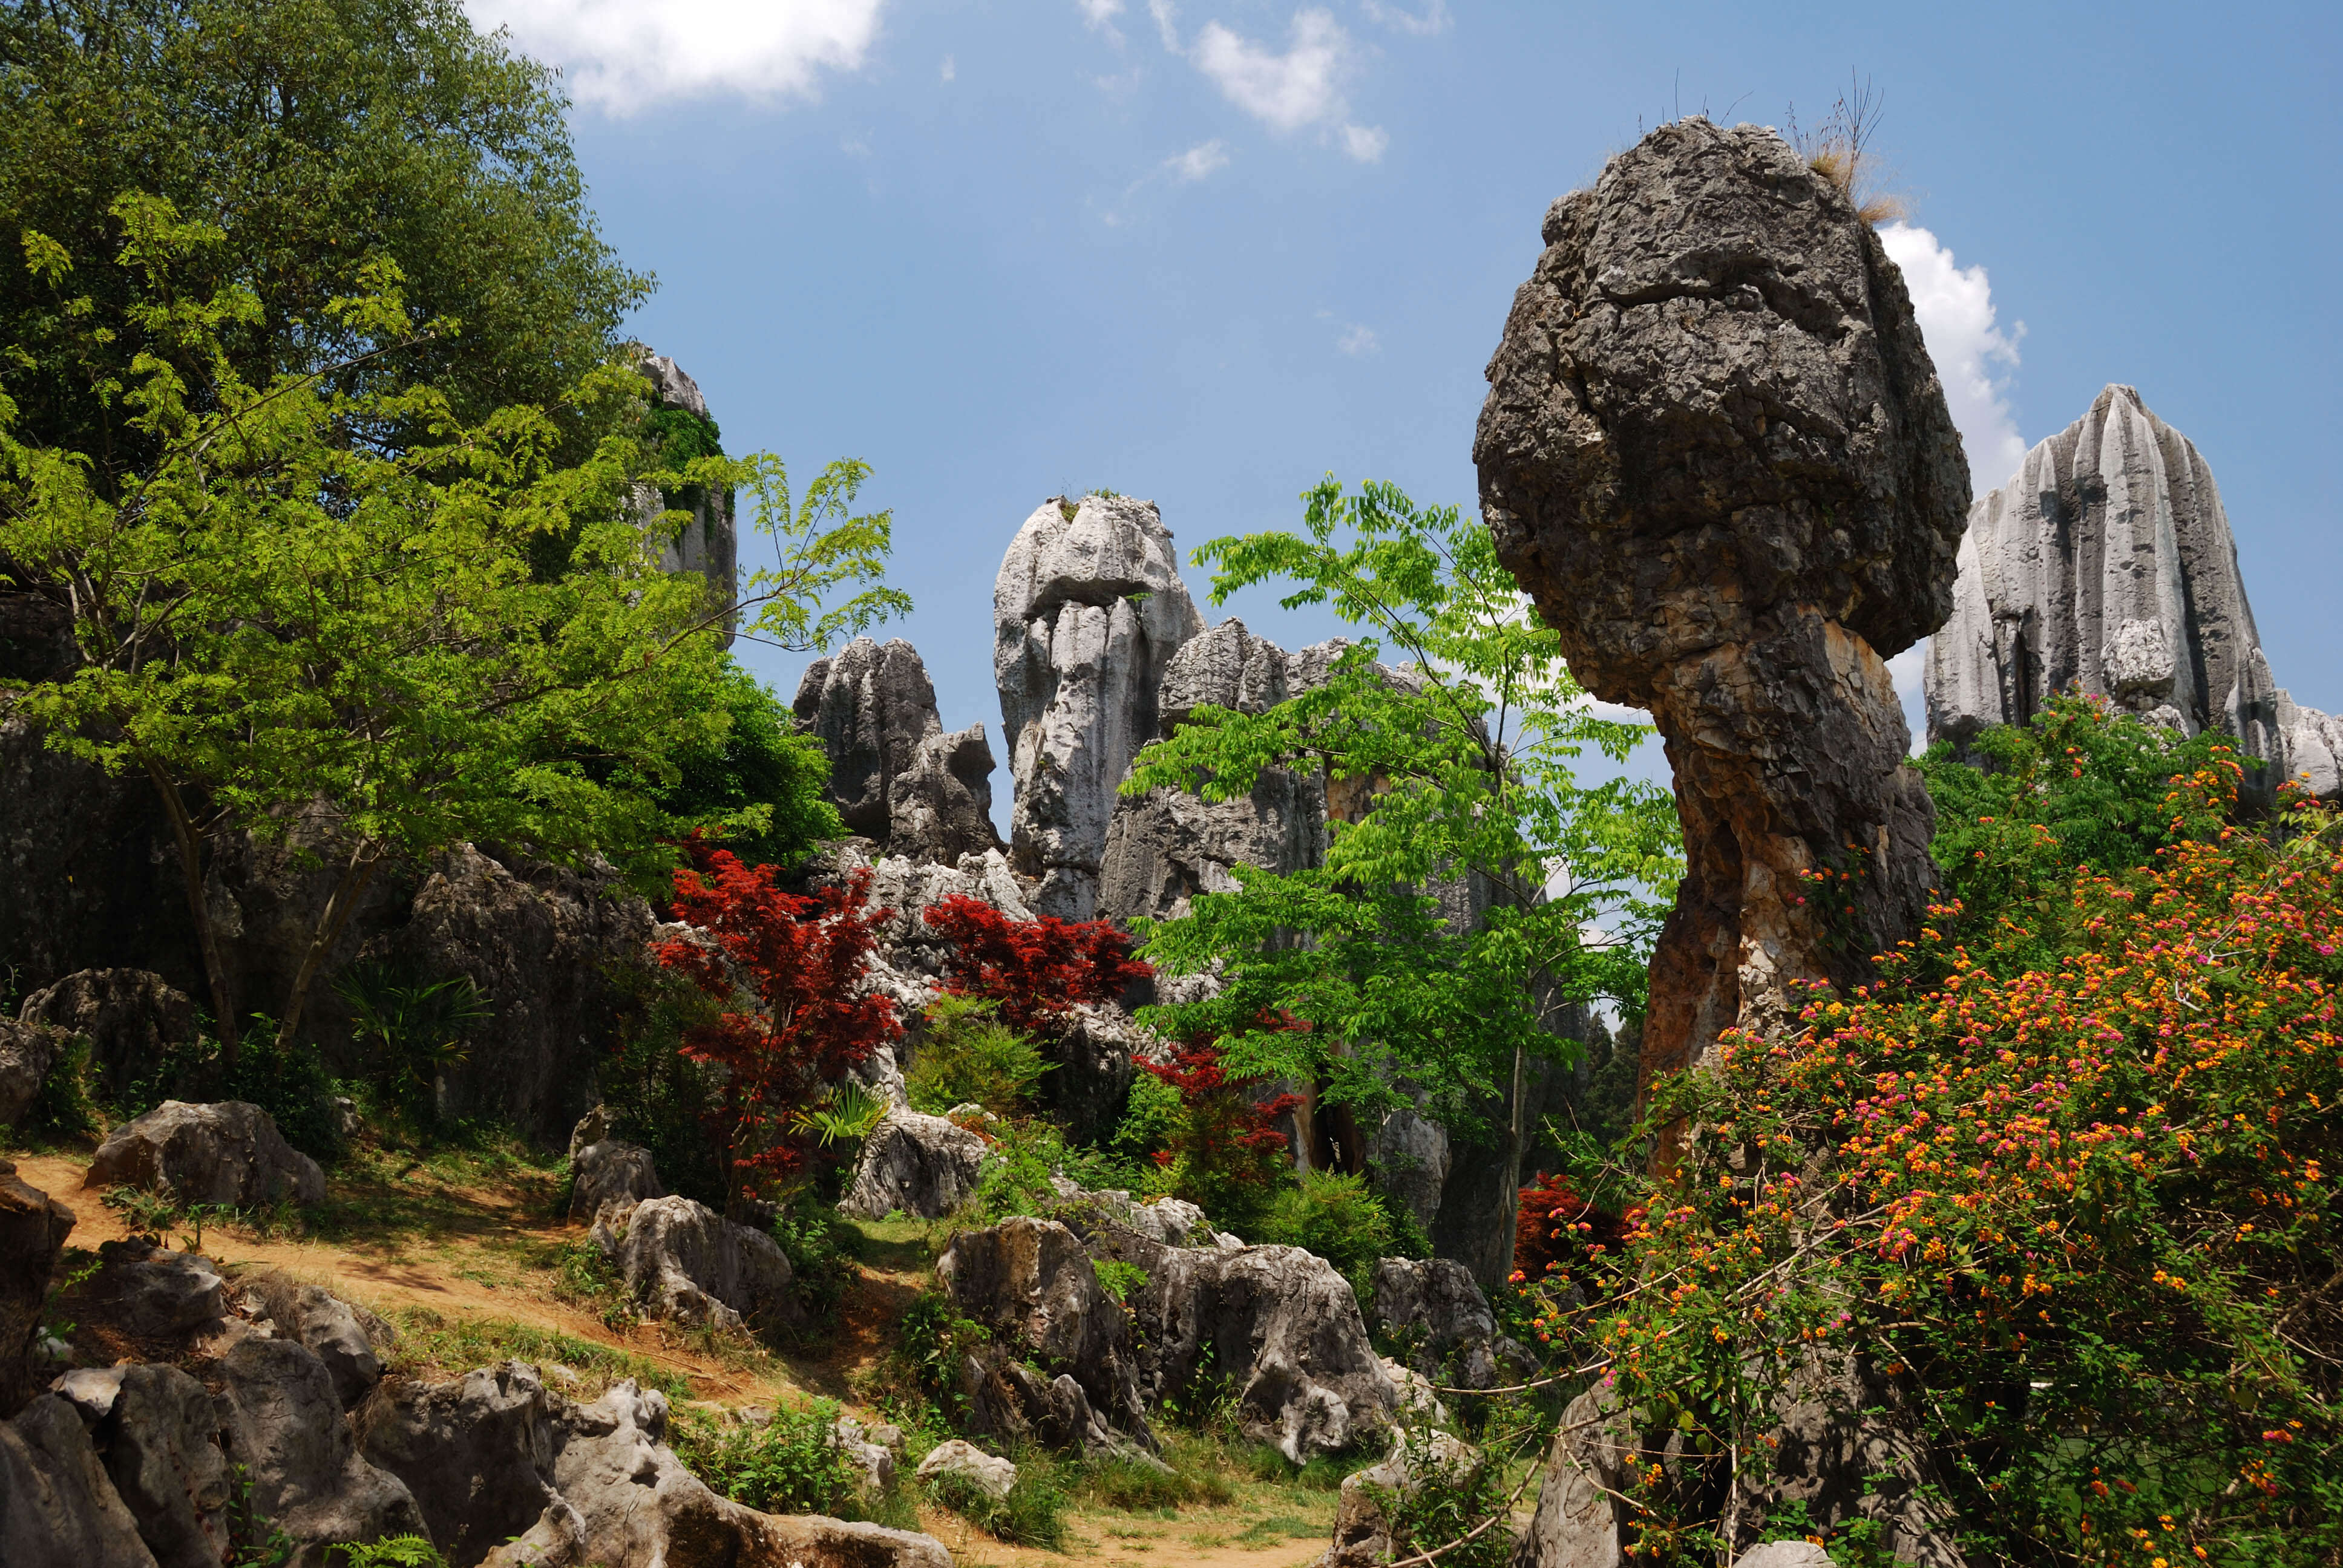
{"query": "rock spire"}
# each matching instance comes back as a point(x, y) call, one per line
point(1087, 612)
point(1715, 453)
point(2106, 564)
point(894, 775)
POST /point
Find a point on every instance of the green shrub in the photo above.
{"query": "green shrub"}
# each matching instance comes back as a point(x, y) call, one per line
point(391, 1552)
point(764, 785)
point(1446, 1500)
point(413, 1032)
point(1152, 1120)
point(290, 1084)
point(793, 1464)
point(1334, 1215)
point(970, 1057)
point(1032, 1514)
point(1015, 1176)
point(1119, 1278)
point(930, 1345)
point(658, 1097)
point(1134, 1487)
point(821, 1247)
point(64, 1109)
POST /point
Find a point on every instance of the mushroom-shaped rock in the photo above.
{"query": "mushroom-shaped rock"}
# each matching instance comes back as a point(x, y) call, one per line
point(1087, 611)
point(2106, 565)
point(230, 1152)
point(1716, 454)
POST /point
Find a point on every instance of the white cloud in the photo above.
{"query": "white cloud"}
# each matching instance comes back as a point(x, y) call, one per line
point(1295, 90)
point(950, 70)
point(1973, 355)
point(1358, 341)
point(1198, 162)
point(624, 55)
point(1100, 13)
point(1434, 19)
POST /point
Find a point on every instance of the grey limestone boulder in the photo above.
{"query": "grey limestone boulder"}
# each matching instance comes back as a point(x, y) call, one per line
point(2106, 565)
point(130, 1017)
point(1035, 1290)
point(1278, 1323)
point(894, 775)
point(1410, 1156)
point(989, 1474)
point(687, 1263)
point(1364, 1536)
point(57, 1505)
point(1716, 455)
point(1087, 610)
point(475, 1452)
point(350, 1339)
point(27, 1050)
point(1786, 1554)
point(159, 1294)
point(1577, 1523)
point(608, 1173)
point(284, 1427)
point(922, 1165)
point(230, 1152)
point(1435, 1308)
point(161, 1438)
point(33, 1230)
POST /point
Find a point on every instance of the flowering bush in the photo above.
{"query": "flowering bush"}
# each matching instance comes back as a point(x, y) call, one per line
point(801, 961)
point(2060, 1180)
point(1033, 971)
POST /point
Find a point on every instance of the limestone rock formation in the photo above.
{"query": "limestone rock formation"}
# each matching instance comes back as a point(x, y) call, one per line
point(1364, 1532)
point(2106, 564)
point(687, 1263)
point(286, 1429)
point(1031, 1285)
point(160, 1437)
point(709, 542)
point(57, 1505)
point(131, 1018)
point(989, 1474)
point(159, 1293)
point(475, 1451)
point(1716, 454)
point(608, 1174)
point(1165, 846)
point(1436, 1307)
point(1087, 612)
point(33, 1230)
point(350, 1339)
point(27, 1050)
point(922, 1165)
point(1279, 1323)
point(894, 775)
point(230, 1152)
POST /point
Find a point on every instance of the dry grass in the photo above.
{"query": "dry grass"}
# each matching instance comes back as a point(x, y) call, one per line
point(1839, 149)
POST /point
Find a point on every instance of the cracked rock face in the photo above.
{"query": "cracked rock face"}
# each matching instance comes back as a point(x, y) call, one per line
point(1715, 453)
point(894, 775)
point(1087, 611)
point(2106, 563)
point(709, 543)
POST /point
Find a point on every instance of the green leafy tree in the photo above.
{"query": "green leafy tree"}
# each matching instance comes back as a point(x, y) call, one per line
point(762, 787)
point(286, 617)
point(1358, 975)
point(317, 136)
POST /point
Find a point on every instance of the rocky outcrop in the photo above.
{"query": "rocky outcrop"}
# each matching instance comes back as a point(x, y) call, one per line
point(894, 775)
point(922, 1165)
point(1411, 1158)
point(1715, 453)
point(1165, 846)
point(686, 1262)
point(1277, 1323)
point(1093, 1053)
point(608, 1174)
point(33, 1230)
point(1031, 1285)
point(475, 1452)
point(1087, 610)
point(156, 1293)
point(27, 1050)
point(989, 1474)
point(1577, 1525)
point(230, 1153)
point(350, 1339)
point(160, 1436)
point(1434, 1308)
point(709, 541)
point(131, 1018)
point(284, 1428)
point(2106, 565)
point(58, 1505)
point(1364, 1533)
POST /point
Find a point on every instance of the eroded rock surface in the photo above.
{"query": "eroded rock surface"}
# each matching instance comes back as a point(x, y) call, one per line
point(608, 1174)
point(161, 1437)
point(284, 1427)
point(709, 542)
point(1278, 1323)
point(1030, 1283)
point(26, 1051)
point(475, 1451)
point(230, 1152)
point(2106, 564)
point(922, 1165)
point(1436, 1307)
point(894, 775)
point(1087, 611)
point(685, 1261)
point(33, 1230)
point(131, 1018)
point(58, 1505)
point(1716, 454)
point(1364, 1535)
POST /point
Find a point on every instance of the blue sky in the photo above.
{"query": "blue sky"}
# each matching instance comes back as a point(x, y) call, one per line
point(1206, 252)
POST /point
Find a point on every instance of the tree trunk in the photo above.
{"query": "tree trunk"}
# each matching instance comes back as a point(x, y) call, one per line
point(191, 867)
point(347, 890)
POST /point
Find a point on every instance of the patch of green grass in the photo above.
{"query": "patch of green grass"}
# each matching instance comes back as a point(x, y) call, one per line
point(431, 1342)
point(1272, 1529)
point(1032, 1514)
point(1196, 1475)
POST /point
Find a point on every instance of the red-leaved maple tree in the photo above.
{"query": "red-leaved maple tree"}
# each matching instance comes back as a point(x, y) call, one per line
point(804, 959)
point(1033, 971)
point(1227, 1153)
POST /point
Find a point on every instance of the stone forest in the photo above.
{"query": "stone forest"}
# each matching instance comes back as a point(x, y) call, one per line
point(485, 1082)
